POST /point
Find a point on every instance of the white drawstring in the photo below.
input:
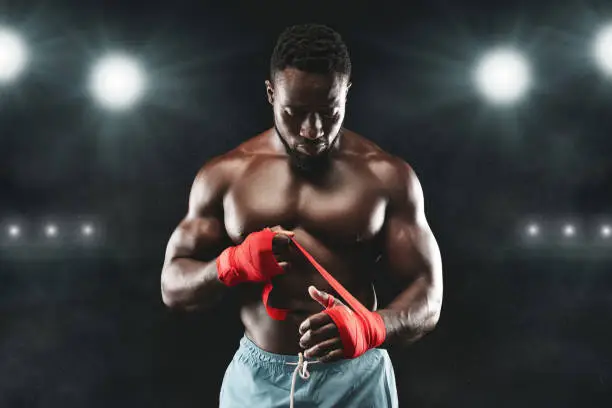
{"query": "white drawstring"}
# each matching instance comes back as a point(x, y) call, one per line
point(302, 365)
point(302, 370)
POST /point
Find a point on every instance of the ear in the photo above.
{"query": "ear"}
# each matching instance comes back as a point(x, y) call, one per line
point(270, 92)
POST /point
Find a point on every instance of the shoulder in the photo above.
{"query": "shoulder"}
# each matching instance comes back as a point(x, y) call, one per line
point(221, 171)
point(217, 175)
point(218, 172)
point(397, 178)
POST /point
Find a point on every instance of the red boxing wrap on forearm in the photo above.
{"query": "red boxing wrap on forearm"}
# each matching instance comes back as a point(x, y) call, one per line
point(360, 329)
point(251, 261)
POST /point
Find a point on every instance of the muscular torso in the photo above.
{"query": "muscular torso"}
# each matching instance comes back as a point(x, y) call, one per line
point(337, 218)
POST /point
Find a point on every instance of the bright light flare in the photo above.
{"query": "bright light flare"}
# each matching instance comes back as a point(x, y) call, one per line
point(602, 49)
point(51, 231)
point(533, 230)
point(14, 231)
point(569, 230)
point(503, 76)
point(13, 55)
point(117, 82)
point(87, 230)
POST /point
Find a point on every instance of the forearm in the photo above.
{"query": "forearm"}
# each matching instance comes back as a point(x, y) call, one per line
point(189, 284)
point(411, 315)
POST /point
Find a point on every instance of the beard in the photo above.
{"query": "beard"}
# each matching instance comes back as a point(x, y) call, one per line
point(304, 164)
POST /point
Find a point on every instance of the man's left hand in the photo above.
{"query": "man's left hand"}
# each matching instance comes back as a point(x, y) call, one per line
point(319, 334)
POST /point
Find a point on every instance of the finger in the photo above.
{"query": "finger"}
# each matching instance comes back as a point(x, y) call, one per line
point(315, 322)
point(332, 356)
point(281, 247)
point(323, 348)
point(280, 230)
point(312, 337)
point(323, 298)
point(320, 297)
point(281, 242)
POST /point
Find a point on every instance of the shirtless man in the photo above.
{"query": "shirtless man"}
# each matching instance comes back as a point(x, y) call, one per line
point(358, 211)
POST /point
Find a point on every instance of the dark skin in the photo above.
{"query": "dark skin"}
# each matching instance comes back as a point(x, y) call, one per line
point(355, 208)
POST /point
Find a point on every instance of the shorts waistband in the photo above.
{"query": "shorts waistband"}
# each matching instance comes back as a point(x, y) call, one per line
point(252, 352)
point(257, 352)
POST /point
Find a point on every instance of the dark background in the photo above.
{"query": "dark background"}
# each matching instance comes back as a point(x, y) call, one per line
point(82, 325)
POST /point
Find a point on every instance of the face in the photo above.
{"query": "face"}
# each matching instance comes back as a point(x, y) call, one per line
point(308, 113)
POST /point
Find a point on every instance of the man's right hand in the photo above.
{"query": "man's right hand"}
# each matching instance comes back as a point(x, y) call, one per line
point(261, 256)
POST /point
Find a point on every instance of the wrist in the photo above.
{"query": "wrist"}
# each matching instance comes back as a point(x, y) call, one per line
point(227, 271)
point(378, 329)
point(359, 331)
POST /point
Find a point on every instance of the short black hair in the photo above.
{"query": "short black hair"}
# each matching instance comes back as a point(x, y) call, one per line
point(314, 48)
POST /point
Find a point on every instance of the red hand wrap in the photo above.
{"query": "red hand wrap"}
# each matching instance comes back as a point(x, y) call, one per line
point(251, 261)
point(360, 329)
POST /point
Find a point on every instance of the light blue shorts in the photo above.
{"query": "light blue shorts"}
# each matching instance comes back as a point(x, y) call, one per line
point(258, 379)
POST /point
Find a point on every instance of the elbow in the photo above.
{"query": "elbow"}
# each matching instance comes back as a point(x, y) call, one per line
point(433, 311)
point(169, 292)
point(426, 325)
point(433, 317)
point(431, 323)
point(169, 300)
point(175, 295)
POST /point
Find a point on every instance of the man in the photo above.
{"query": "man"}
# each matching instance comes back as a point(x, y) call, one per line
point(307, 192)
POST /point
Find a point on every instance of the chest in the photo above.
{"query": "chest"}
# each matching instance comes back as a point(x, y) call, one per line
point(347, 205)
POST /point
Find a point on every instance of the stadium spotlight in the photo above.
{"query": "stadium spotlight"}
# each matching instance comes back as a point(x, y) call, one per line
point(87, 230)
point(503, 76)
point(569, 230)
point(117, 82)
point(14, 231)
point(533, 230)
point(602, 50)
point(13, 55)
point(606, 231)
point(51, 231)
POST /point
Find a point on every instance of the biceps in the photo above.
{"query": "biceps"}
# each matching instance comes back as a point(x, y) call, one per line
point(198, 238)
point(411, 250)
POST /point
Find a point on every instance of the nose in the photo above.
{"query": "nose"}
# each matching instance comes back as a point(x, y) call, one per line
point(312, 127)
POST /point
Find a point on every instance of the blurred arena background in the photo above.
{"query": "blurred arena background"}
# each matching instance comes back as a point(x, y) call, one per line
point(108, 109)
